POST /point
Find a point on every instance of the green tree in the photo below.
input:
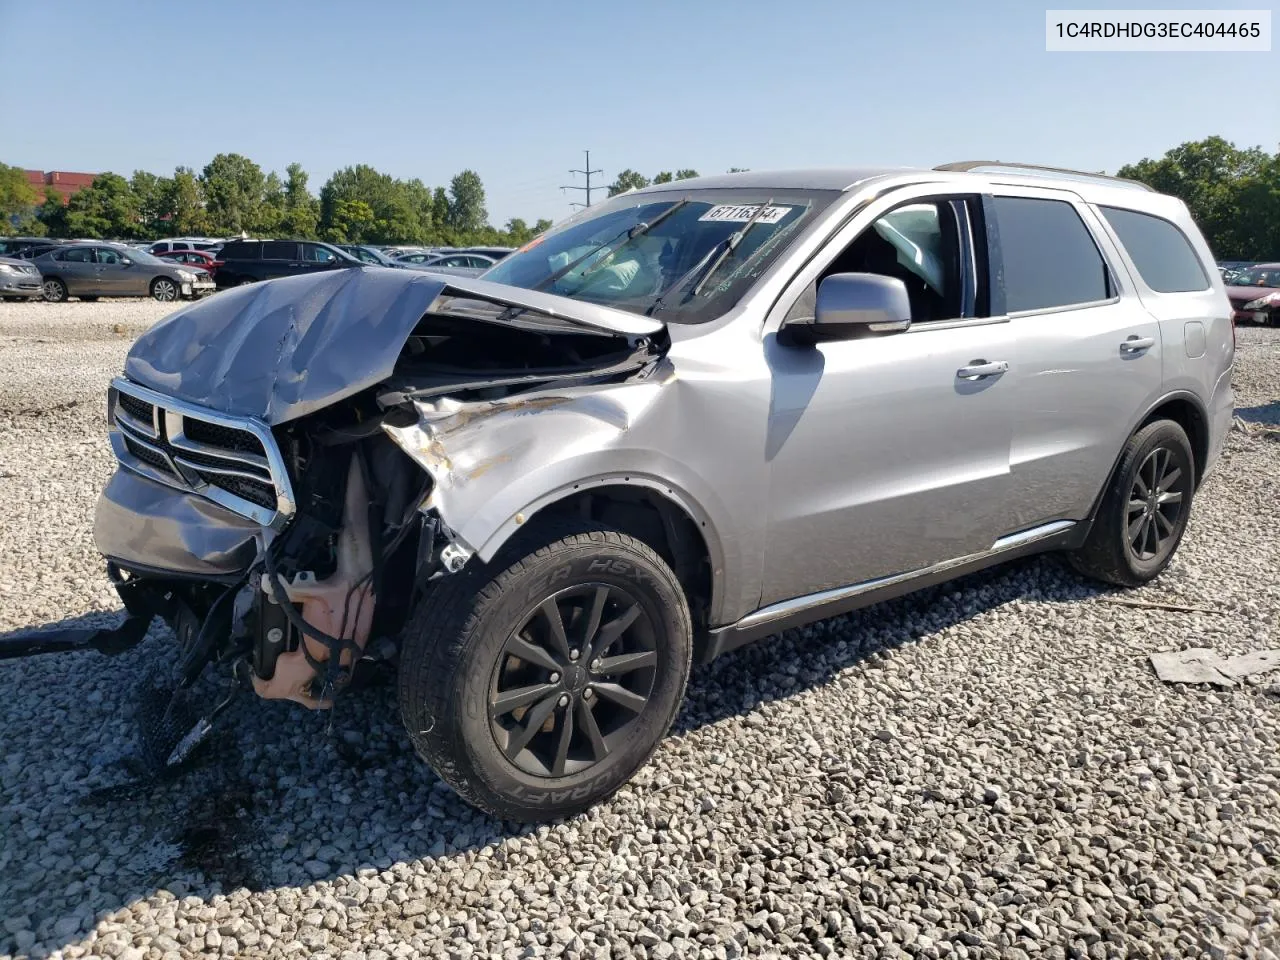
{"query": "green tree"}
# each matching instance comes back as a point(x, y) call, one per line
point(269, 216)
point(17, 202)
point(53, 215)
point(301, 209)
point(688, 173)
point(183, 202)
point(148, 191)
point(467, 213)
point(542, 226)
point(627, 180)
point(105, 209)
point(665, 176)
point(233, 189)
point(518, 232)
point(1233, 193)
point(397, 207)
point(351, 221)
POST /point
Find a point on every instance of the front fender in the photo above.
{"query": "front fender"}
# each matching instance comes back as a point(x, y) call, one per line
point(495, 464)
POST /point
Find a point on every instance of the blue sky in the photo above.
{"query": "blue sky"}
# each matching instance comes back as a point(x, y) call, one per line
point(517, 90)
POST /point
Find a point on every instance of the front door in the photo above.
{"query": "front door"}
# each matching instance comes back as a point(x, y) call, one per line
point(79, 271)
point(115, 279)
point(891, 453)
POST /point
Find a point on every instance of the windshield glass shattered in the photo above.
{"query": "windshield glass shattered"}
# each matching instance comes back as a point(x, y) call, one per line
point(682, 256)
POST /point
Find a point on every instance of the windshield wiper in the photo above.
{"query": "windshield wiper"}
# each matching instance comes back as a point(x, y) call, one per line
point(706, 268)
point(614, 245)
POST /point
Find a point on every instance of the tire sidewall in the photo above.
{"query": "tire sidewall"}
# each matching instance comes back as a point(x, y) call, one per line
point(655, 589)
point(1169, 435)
point(62, 288)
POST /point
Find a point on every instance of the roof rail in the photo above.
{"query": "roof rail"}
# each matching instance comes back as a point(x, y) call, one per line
point(966, 165)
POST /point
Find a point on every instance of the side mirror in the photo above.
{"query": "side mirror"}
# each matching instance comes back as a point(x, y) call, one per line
point(126, 262)
point(851, 306)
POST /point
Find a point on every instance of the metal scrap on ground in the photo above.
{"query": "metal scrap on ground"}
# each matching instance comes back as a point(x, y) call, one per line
point(1203, 665)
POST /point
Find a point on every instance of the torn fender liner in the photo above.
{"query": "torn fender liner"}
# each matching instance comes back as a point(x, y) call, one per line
point(286, 348)
point(144, 523)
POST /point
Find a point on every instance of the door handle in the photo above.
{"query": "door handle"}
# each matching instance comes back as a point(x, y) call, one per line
point(981, 369)
point(1136, 344)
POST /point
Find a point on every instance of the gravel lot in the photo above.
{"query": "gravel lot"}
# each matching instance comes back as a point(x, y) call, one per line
point(989, 769)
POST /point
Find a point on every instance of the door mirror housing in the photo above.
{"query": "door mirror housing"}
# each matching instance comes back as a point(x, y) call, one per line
point(851, 306)
point(126, 262)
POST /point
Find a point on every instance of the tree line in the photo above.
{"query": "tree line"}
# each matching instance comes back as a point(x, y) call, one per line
point(1233, 193)
point(233, 195)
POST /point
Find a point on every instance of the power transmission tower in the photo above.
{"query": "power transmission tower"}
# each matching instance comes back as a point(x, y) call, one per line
point(587, 173)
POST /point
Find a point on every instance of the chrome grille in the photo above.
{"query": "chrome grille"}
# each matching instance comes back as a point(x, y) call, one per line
point(233, 461)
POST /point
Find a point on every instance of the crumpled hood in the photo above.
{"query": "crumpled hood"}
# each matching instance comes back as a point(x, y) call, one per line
point(285, 348)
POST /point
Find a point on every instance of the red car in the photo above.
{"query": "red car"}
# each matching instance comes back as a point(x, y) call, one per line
point(1255, 294)
point(195, 258)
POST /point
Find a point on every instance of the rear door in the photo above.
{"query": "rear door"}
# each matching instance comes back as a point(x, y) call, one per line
point(280, 259)
point(1089, 355)
point(79, 271)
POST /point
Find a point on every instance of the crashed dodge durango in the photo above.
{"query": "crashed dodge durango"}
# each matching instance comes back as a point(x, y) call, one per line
point(685, 419)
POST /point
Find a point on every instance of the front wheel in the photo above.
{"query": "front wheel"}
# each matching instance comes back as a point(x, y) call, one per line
point(164, 289)
point(1145, 509)
point(55, 291)
point(536, 686)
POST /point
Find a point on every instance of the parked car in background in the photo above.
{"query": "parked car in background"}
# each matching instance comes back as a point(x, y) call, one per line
point(248, 261)
point(183, 243)
point(369, 254)
point(457, 264)
point(1255, 294)
point(19, 279)
point(33, 251)
point(493, 253)
point(196, 258)
point(1231, 269)
point(93, 270)
point(12, 246)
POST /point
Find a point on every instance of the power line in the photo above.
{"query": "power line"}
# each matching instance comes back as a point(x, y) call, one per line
point(587, 173)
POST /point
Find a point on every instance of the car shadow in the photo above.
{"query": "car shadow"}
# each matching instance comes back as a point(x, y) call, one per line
point(245, 810)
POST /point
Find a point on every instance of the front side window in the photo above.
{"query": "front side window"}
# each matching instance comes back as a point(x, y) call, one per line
point(1163, 255)
point(316, 254)
point(107, 255)
point(686, 256)
point(1048, 256)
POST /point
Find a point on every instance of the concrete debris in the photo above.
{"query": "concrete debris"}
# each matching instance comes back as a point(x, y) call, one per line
point(1203, 665)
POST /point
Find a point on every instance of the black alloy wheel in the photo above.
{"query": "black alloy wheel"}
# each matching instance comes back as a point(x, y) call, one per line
point(1155, 503)
point(573, 679)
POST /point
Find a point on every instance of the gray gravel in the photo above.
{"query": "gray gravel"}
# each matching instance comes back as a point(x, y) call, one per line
point(987, 770)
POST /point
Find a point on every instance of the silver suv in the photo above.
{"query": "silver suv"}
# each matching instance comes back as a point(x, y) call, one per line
point(683, 420)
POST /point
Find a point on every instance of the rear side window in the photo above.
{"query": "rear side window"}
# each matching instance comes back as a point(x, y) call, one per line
point(78, 255)
point(241, 251)
point(279, 250)
point(1165, 259)
point(1049, 257)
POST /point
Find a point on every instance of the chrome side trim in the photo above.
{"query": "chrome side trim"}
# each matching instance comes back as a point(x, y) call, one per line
point(272, 465)
point(785, 609)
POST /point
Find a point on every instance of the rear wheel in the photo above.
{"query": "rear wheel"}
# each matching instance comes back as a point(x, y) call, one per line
point(55, 291)
point(1145, 509)
point(538, 685)
point(164, 289)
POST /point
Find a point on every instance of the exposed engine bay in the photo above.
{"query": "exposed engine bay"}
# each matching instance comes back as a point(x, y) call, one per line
point(289, 541)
